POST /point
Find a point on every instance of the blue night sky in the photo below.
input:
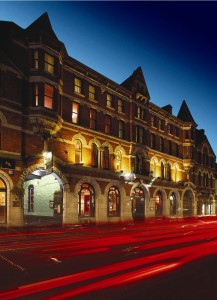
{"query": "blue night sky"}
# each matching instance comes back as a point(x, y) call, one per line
point(175, 43)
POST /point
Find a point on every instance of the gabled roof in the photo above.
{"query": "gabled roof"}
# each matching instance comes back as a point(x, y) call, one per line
point(184, 113)
point(42, 26)
point(201, 138)
point(136, 83)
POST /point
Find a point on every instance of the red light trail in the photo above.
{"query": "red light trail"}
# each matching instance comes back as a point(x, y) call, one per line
point(177, 246)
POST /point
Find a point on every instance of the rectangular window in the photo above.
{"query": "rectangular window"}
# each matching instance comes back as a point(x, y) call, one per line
point(153, 121)
point(161, 144)
point(77, 86)
point(152, 141)
point(138, 112)
point(170, 147)
point(48, 96)
point(177, 131)
point(49, 63)
point(92, 92)
point(161, 125)
point(31, 198)
point(137, 134)
point(107, 124)
point(35, 59)
point(141, 135)
point(177, 150)
point(120, 105)
point(92, 119)
point(121, 129)
point(36, 103)
point(170, 128)
point(75, 112)
point(109, 100)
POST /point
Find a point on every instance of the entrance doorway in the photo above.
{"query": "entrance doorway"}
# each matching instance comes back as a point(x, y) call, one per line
point(43, 200)
point(159, 204)
point(188, 203)
point(138, 204)
point(3, 202)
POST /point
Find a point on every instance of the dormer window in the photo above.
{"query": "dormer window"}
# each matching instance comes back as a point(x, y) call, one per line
point(49, 63)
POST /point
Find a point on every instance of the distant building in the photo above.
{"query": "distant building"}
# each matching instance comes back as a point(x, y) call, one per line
point(76, 147)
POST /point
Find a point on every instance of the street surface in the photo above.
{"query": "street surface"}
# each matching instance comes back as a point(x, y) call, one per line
point(172, 259)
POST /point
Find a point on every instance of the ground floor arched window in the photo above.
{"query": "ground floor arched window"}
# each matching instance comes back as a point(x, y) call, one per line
point(3, 202)
point(86, 202)
point(159, 204)
point(188, 203)
point(173, 204)
point(113, 202)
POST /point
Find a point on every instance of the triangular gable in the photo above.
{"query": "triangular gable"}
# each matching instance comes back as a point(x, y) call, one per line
point(42, 26)
point(201, 139)
point(184, 113)
point(136, 83)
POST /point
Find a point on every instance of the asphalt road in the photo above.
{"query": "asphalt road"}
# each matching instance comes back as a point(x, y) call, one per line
point(159, 260)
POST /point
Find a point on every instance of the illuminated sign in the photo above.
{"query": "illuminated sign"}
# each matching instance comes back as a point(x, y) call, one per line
point(7, 163)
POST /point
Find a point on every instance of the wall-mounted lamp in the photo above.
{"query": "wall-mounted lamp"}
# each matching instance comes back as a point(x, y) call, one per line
point(129, 177)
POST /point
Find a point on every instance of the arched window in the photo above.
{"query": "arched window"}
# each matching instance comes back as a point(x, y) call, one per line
point(31, 198)
point(199, 178)
point(154, 168)
point(211, 181)
point(86, 202)
point(168, 172)
point(175, 173)
point(0, 134)
point(113, 202)
point(106, 158)
point(78, 151)
point(173, 204)
point(118, 160)
point(162, 170)
point(188, 203)
point(3, 203)
point(94, 156)
point(158, 204)
point(140, 162)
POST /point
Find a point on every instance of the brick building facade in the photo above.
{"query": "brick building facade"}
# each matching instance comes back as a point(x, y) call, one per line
point(76, 147)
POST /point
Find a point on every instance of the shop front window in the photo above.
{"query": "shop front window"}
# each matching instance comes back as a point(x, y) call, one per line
point(86, 202)
point(113, 202)
point(3, 204)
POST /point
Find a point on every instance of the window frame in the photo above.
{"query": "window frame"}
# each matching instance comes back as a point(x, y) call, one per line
point(113, 202)
point(49, 66)
point(75, 113)
point(77, 85)
point(48, 98)
point(93, 118)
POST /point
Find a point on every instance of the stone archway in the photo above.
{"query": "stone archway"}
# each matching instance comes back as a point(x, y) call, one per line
point(188, 203)
point(45, 196)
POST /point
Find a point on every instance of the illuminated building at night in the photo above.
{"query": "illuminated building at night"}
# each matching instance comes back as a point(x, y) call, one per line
point(76, 147)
